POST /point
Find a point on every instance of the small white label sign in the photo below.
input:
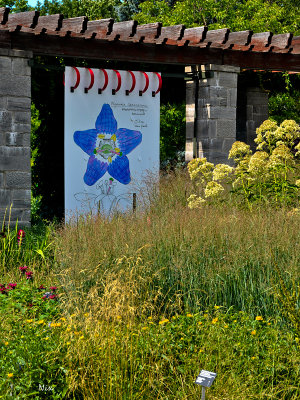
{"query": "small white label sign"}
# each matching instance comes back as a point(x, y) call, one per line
point(205, 378)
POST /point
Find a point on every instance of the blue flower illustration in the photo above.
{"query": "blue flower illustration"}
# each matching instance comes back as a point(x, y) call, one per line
point(107, 147)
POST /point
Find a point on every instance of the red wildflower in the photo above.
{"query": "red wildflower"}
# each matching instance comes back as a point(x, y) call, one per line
point(3, 290)
point(53, 288)
point(53, 297)
point(12, 285)
point(23, 269)
point(20, 236)
point(29, 274)
point(41, 287)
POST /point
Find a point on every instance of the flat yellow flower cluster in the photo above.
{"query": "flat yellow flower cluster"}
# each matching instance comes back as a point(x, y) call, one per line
point(213, 189)
point(258, 162)
point(239, 151)
point(200, 169)
point(222, 172)
point(195, 201)
point(281, 156)
point(270, 173)
point(269, 134)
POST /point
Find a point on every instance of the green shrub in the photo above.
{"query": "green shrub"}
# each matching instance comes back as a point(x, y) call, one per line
point(285, 106)
point(172, 132)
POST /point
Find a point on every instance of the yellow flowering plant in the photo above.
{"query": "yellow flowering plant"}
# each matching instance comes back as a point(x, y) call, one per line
point(269, 175)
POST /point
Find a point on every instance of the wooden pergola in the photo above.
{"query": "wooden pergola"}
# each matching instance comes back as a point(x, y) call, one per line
point(152, 43)
point(218, 111)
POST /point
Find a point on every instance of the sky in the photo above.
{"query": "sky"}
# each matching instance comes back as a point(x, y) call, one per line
point(32, 3)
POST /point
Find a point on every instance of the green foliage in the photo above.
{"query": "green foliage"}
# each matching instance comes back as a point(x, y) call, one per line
point(172, 130)
point(93, 9)
point(35, 248)
point(257, 15)
point(127, 9)
point(289, 300)
point(160, 357)
point(283, 105)
point(36, 209)
point(35, 124)
point(16, 5)
point(284, 99)
point(31, 352)
point(269, 176)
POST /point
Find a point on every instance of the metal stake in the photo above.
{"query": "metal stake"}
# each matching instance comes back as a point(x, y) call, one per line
point(203, 393)
point(134, 202)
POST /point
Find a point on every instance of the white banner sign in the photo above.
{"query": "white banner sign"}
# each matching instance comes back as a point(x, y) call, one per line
point(111, 137)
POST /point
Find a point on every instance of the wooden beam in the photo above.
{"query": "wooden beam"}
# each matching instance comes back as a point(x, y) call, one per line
point(261, 41)
point(98, 29)
point(50, 22)
point(192, 36)
point(264, 61)
point(123, 30)
point(295, 45)
point(239, 40)
point(28, 19)
point(215, 37)
point(76, 25)
point(149, 53)
point(281, 41)
point(170, 34)
point(147, 33)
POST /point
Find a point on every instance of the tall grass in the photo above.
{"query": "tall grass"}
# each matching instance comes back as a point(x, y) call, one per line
point(192, 258)
point(126, 280)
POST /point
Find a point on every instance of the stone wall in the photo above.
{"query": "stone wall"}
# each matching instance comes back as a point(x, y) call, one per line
point(215, 120)
point(257, 112)
point(252, 110)
point(228, 109)
point(15, 127)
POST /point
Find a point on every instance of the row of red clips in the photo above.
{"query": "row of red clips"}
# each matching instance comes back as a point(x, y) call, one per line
point(119, 79)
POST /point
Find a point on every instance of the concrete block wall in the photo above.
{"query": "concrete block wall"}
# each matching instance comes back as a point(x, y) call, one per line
point(257, 112)
point(15, 127)
point(228, 109)
point(215, 115)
